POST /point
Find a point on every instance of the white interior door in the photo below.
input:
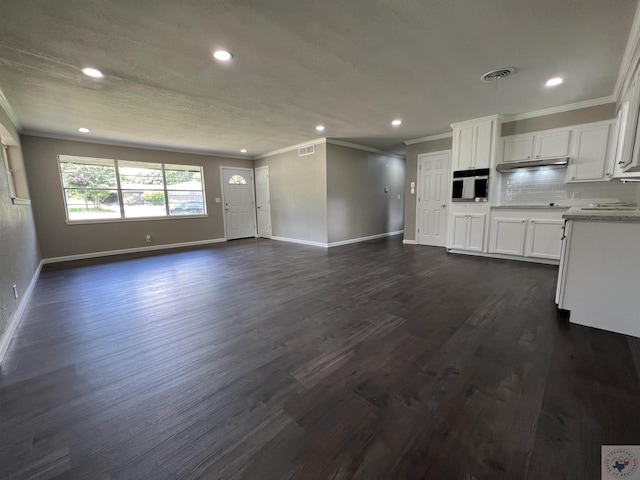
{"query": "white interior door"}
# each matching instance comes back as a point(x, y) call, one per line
point(433, 176)
point(263, 202)
point(237, 192)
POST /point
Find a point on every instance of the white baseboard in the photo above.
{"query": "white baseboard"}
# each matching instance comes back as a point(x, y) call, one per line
point(364, 239)
point(409, 242)
point(149, 248)
point(5, 341)
point(301, 242)
point(506, 257)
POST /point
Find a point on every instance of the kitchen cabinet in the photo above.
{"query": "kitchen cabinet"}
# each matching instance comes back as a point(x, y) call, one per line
point(474, 143)
point(508, 235)
point(589, 153)
point(544, 239)
point(468, 231)
point(536, 146)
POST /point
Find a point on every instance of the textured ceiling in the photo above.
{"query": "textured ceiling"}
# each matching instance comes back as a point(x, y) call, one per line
point(350, 65)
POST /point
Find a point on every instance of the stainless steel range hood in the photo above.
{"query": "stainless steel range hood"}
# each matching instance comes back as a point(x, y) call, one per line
point(531, 164)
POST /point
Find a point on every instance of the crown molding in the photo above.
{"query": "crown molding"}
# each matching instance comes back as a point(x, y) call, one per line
point(429, 138)
point(160, 148)
point(342, 143)
point(6, 106)
point(629, 59)
point(317, 141)
point(560, 109)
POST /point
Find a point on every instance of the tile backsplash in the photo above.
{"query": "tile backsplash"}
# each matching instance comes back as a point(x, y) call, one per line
point(544, 186)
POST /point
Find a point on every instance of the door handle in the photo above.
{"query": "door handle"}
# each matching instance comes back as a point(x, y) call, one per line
point(443, 205)
point(258, 206)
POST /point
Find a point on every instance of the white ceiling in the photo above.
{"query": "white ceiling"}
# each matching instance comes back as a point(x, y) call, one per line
point(350, 65)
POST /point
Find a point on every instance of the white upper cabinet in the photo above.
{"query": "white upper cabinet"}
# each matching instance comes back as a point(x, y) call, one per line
point(589, 156)
point(474, 143)
point(536, 146)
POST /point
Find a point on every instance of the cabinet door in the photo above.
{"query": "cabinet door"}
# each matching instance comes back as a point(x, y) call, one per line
point(459, 231)
point(508, 235)
point(550, 145)
point(475, 232)
point(518, 149)
point(590, 154)
point(545, 239)
point(463, 148)
point(482, 139)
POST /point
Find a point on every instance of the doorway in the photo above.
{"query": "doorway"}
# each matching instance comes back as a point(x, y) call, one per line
point(263, 201)
point(433, 197)
point(237, 197)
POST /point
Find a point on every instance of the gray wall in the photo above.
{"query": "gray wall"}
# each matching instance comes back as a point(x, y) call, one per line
point(558, 120)
point(59, 239)
point(357, 204)
point(412, 176)
point(19, 254)
point(298, 187)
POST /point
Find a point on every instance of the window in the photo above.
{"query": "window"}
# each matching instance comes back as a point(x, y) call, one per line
point(237, 180)
point(102, 189)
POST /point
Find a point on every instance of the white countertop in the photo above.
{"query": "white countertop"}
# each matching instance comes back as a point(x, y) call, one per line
point(530, 207)
point(620, 215)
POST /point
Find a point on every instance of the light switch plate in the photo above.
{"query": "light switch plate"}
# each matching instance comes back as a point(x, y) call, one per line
point(217, 199)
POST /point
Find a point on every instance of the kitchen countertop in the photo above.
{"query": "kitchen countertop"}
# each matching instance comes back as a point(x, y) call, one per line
point(578, 213)
point(530, 207)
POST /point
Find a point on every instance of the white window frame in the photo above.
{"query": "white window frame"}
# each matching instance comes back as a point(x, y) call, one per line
point(119, 190)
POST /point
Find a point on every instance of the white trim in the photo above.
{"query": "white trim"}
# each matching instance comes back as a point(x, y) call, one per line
point(142, 146)
point(498, 117)
point(21, 201)
point(317, 141)
point(5, 341)
point(341, 143)
point(6, 106)
point(409, 242)
point(253, 196)
point(301, 242)
point(429, 138)
point(364, 239)
point(560, 109)
point(629, 59)
point(504, 257)
point(107, 253)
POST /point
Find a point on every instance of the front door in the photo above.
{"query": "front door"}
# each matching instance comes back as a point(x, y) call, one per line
point(433, 177)
point(237, 192)
point(263, 203)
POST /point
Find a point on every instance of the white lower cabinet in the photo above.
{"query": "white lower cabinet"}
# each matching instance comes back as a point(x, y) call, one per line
point(468, 231)
point(533, 234)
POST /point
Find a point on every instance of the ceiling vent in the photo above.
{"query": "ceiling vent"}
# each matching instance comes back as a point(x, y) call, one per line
point(497, 74)
point(306, 150)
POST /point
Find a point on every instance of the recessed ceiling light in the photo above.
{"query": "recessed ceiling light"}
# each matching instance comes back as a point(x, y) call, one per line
point(84, 130)
point(320, 128)
point(222, 55)
point(397, 122)
point(92, 72)
point(552, 82)
point(244, 150)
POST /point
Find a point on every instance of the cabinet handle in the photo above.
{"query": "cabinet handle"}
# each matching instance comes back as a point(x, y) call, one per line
point(621, 162)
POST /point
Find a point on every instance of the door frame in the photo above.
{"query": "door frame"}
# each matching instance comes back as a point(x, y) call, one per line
point(448, 188)
point(256, 203)
point(253, 198)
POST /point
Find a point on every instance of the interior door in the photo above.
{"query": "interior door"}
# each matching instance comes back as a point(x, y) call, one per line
point(433, 179)
point(263, 202)
point(237, 192)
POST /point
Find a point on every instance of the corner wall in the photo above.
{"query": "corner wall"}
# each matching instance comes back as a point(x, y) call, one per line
point(298, 188)
point(412, 176)
point(57, 239)
point(357, 203)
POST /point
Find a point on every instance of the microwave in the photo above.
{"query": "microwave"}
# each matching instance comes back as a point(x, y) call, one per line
point(470, 185)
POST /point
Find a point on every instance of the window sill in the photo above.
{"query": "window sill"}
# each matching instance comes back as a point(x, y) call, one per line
point(21, 201)
point(128, 220)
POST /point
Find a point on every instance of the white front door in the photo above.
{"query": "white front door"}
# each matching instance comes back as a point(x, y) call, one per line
point(433, 178)
point(263, 202)
point(237, 193)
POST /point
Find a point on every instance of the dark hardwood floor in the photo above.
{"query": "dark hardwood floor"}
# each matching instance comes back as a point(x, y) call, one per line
point(264, 360)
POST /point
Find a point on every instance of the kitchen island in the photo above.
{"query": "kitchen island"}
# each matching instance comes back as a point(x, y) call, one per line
point(599, 275)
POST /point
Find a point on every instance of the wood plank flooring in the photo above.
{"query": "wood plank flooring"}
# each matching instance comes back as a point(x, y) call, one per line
point(266, 360)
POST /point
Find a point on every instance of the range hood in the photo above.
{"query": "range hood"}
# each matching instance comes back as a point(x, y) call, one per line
point(530, 164)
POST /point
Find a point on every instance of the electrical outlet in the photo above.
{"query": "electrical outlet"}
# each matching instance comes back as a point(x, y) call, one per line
point(147, 238)
point(15, 291)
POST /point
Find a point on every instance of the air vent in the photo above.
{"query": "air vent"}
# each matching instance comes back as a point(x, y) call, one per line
point(497, 74)
point(306, 150)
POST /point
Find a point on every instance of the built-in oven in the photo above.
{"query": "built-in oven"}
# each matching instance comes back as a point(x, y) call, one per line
point(470, 185)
